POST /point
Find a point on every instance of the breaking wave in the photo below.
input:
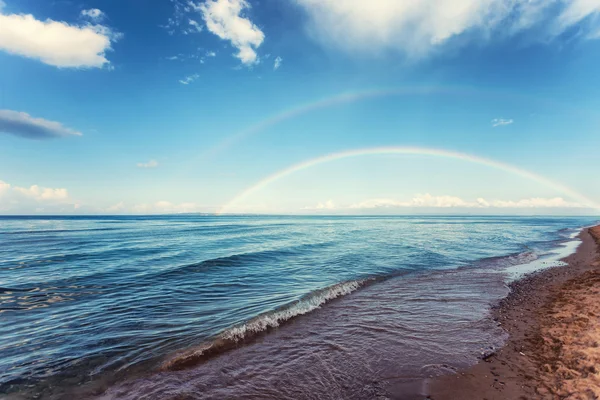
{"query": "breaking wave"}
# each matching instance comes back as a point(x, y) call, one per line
point(232, 337)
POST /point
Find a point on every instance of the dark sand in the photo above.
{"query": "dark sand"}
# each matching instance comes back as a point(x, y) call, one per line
point(553, 351)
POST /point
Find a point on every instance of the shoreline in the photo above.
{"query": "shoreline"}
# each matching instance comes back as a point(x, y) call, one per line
point(551, 348)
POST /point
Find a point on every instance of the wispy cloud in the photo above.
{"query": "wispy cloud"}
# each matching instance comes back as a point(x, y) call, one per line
point(418, 28)
point(94, 14)
point(193, 27)
point(501, 122)
point(56, 43)
point(277, 63)
point(177, 22)
point(24, 125)
point(224, 19)
point(211, 54)
point(189, 79)
point(186, 57)
point(149, 164)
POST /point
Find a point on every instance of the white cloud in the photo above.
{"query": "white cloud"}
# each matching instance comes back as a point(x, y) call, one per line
point(24, 125)
point(35, 199)
point(211, 54)
point(34, 192)
point(576, 11)
point(120, 206)
point(40, 194)
point(224, 18)
point(421, 200)
point(483, 202)
point(418, 27)
point(501, 122)
point(4, 188)
point(277, 63)
point(94, 14)
point(149, 164)
point(328, 205)
point(56, 43)
point(189, 79)
point(165, 207)
point(429, 201)
point(535, 202)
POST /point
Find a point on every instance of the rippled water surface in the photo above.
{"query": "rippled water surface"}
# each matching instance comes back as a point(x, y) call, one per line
point(256, 307)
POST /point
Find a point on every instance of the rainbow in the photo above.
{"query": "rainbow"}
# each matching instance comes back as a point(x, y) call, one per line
point(584, 201)
point(359, 95)
point(332, 101)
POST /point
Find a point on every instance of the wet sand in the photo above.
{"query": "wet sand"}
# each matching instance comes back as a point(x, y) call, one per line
point(553, 350)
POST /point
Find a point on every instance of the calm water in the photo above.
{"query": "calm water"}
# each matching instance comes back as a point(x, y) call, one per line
point(178, 306)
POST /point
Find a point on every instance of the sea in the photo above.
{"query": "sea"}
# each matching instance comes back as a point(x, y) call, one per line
point(256, 307)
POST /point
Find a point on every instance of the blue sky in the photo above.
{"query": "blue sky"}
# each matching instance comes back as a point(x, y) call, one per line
point(124, 106)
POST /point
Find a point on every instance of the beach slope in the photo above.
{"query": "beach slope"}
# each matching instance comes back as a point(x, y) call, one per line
point(553, 350)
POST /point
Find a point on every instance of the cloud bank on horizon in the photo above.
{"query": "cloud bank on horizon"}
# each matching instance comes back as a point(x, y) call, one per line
point(427, 200)
point(34, 198)
point(15, 199)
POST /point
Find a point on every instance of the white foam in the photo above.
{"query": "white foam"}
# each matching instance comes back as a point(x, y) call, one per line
point(275, 318)
point(552, 259)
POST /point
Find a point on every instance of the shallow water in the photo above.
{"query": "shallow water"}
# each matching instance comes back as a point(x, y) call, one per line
point(178, 307)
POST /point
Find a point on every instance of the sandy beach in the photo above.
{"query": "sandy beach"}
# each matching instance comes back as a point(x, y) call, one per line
point(553, 350)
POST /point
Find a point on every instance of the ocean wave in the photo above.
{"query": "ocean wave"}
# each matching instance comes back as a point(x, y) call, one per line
point(232, 337)
point(54, 231)
point(238, 259)
point(228, 229)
